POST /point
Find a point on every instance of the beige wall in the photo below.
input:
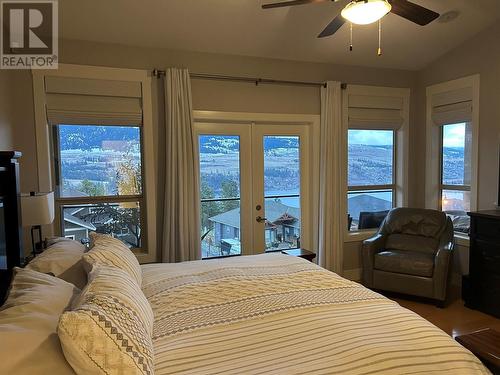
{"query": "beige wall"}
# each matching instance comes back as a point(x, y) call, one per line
point(17, 122)
point(481, 54)
point(207, 95)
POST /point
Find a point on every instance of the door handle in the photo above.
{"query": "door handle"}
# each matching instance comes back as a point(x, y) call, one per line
point(260, 219)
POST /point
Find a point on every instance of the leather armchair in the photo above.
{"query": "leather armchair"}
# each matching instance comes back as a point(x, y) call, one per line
point(411, 253)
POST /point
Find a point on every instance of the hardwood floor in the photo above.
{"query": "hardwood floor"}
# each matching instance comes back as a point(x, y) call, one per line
point(455, 319)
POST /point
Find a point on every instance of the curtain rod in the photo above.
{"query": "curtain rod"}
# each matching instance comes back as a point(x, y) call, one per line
point(257, 81)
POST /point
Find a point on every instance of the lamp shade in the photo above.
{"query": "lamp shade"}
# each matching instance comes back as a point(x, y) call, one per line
point(366, 11)
point(37, 209)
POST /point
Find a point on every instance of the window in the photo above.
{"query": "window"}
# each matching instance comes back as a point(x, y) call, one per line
point(452, 149)
point(371, 177)
point(99, 181)
point(455, 182)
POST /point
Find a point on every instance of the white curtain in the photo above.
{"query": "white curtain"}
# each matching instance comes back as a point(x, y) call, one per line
point(181, 233)
point(331, 221)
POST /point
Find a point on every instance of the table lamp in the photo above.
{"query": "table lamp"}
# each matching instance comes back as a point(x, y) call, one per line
point(37, 210)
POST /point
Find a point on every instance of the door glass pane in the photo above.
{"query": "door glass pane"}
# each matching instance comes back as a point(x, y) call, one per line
point(456, 157)
point(121, 220)
point(282, 227)
point(220, 195)
point(367, 209)
point(99, 160)
point(370, 157)
point(282, 192)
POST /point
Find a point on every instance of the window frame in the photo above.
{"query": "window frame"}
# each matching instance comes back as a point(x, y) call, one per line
point(433, 172)
point(61, 202)
point(44, 141)
point(442, 186)
point(377, 188)
point(400, 154)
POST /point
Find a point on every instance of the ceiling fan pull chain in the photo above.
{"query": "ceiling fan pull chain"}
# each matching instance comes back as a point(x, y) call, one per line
point(350, 40)
point(379, 52)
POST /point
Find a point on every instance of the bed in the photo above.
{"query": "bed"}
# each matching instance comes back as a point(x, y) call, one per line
point(275, 313)
point(264, 314)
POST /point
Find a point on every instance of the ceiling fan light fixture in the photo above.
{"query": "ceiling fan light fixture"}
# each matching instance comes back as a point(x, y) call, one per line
point(364, 12)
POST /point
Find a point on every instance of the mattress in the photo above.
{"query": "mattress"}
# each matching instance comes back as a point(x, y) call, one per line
point(278, 314)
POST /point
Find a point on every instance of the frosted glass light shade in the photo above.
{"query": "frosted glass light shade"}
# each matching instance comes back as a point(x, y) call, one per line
point(37, 209)
point(366, 11)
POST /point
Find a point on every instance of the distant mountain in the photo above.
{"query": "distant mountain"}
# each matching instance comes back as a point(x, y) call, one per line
point(77, 137)
point(227, 144)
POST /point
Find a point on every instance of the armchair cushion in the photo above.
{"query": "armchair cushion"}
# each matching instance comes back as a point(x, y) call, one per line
point(415, 263)
point(410, 242)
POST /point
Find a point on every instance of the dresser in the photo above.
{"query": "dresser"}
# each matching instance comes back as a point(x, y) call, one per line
point(11, 249)
point(481, 289)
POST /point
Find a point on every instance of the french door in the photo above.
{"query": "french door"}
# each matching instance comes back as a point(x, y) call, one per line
point(254, 186)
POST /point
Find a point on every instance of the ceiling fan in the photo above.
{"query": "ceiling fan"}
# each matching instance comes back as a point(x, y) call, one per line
point(363, 12)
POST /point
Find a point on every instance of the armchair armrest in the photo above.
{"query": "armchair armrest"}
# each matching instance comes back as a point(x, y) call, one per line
point(370, 247)
point(442, 262)
point(442, 269)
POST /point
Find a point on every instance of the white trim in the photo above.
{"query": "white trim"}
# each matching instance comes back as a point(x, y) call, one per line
point(432, 170)
point(462, 240)
point(43, 152)
point(401, 147)
point(359, 235)
point(221, 122)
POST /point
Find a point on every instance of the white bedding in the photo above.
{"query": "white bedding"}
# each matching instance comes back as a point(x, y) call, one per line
point(274, 313)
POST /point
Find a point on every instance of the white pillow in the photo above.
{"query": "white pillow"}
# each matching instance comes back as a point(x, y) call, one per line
point(63, 259)
point(111, 251)
point(109, 331)
point(28, 324)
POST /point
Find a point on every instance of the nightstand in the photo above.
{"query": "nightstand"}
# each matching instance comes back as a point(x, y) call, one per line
point(484, 344)
point(301, 253)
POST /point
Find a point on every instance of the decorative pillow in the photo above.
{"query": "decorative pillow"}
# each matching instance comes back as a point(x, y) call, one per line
point(63, 258)
point(112, 252)
point(109, 331)
point(28, 324)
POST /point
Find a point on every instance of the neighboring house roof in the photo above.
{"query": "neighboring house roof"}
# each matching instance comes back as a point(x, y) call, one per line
point(77, 221)
point(275, 211)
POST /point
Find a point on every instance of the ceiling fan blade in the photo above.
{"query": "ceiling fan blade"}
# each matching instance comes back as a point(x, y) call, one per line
point(291, 3)
point(413, 12)
point(332, 27)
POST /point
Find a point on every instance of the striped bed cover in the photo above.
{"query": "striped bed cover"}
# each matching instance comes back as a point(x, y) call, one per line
point(277, 314)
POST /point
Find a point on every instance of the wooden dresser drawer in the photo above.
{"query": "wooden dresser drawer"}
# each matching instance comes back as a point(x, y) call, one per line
point(482, 286)
point(489, 256)
point(487, 229)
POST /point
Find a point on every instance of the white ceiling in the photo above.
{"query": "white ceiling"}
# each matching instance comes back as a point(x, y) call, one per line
point(241, 27)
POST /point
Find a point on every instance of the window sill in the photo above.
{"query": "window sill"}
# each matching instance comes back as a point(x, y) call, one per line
point(359, 236)
point(462, 239)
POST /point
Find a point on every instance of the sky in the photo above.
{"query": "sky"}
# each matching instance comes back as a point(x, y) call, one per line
point(370, 137)
point(453, 136)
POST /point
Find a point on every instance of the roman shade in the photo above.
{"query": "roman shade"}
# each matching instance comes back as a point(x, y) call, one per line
point(452, 107)
point(375, 112)
point(94, 102)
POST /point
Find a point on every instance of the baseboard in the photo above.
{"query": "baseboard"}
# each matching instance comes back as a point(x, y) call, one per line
point(354, 274)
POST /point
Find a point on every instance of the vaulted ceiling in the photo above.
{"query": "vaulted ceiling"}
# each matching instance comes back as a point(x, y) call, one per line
point(241, 27)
